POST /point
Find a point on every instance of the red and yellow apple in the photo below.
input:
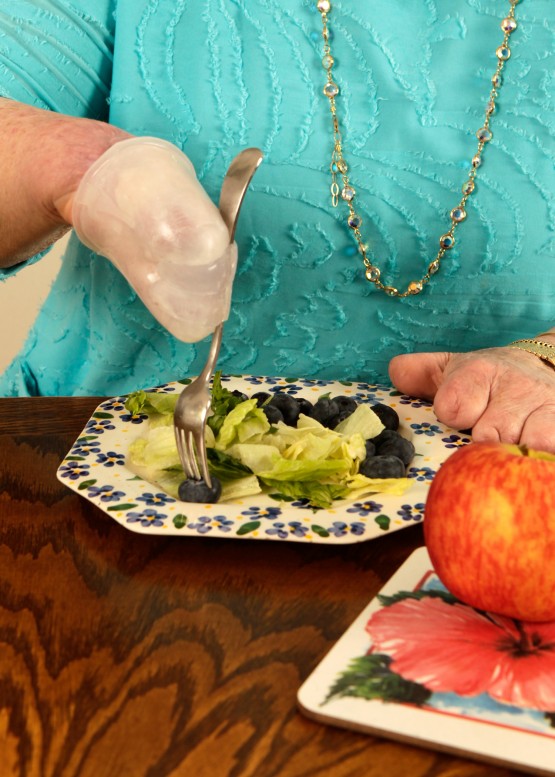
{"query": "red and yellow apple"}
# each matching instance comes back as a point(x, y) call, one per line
point(489, 526)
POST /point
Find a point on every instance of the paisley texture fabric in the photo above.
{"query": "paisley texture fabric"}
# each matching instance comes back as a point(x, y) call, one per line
point(215, 76)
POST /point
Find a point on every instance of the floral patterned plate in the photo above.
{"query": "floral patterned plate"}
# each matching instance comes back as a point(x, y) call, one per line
point(96, 468)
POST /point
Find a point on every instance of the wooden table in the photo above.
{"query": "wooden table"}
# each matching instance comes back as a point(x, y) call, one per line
point(124, 654)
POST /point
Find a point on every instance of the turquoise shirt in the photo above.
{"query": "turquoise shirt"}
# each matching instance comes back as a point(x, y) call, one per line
point(215, 76)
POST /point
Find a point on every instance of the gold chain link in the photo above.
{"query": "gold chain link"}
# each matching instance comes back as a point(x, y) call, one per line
point(339, 168)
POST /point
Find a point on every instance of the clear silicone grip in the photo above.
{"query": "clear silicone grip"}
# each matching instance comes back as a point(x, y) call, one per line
point(142, 206)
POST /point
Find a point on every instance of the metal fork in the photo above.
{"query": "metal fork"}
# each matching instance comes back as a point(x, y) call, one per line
point(193, 405)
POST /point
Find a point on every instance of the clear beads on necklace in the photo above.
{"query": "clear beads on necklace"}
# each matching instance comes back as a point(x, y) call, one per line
point(331, 89)
point(339, 168)
point(484, 135)
point(509, 24)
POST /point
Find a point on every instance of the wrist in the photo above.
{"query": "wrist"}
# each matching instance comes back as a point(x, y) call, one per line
point(85, 141)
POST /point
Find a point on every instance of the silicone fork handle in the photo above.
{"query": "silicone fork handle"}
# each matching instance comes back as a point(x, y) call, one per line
point(141, 205)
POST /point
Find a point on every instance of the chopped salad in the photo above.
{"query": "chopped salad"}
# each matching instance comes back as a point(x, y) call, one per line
point(278, 444)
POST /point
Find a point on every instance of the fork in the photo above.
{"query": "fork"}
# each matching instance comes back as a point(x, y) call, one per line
point(193, 406)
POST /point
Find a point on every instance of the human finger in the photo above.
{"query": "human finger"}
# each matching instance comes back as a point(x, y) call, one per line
point(538, 431)
point(418, 374)
point(465, 392)
point(500, 423)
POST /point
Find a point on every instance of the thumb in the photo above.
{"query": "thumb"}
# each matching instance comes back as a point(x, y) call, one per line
point(418, 374)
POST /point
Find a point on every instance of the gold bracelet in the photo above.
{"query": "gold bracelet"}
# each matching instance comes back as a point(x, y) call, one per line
point(545, 351)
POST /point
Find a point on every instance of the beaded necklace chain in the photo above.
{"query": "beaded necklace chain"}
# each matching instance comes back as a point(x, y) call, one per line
point(341, 187)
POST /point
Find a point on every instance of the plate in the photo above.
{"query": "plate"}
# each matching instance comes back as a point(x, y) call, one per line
point(96, 468)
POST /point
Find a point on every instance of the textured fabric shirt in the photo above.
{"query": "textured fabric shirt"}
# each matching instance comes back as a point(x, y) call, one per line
point(215, 76)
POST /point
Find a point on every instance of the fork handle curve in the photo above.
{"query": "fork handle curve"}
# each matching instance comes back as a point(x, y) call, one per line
point(215, 344)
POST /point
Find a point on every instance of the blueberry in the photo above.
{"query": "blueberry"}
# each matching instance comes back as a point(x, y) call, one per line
point(384, 436)
point(288, 406)
point(346, 404)
point(305, 406)
point(341, 416)
point(273, 413)
point(383, 467)
point(387, 415)
point(261, 397)
point(240, 395)
point(370, 449)
point(396, 445)
point(326, 411)
point(199, 491)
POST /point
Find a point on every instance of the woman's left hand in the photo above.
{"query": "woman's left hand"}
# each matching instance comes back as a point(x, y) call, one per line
point(502, 394)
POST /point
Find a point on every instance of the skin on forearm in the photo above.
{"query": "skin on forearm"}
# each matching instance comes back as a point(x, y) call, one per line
point(43, 157)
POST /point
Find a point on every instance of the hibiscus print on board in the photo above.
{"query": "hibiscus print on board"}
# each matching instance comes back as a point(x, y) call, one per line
point(430, 650)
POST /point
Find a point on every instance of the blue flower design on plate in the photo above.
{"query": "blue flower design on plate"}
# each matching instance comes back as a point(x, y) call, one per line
point(262, 512)
point(421, 473)
point(304, 504)
point(297, 528)
point(291, 389)
point(282, 530)
point(202, 526)
point(134, 418)
point(455, 441)
point(365, 508)
point(165, 388)
point(414, 402)
point(155, 499)
point(412, 512)
point(99, 426)
point(85, 448)
point(105, 493)
point(147, 518)
point(426, 428)
point(222, 522)
point(117, 404)
point(74, 470)
point(308, 382)
point(367, 397)
point(111, 459)
point(340, 529)
point(278, 530)
point(257, 380)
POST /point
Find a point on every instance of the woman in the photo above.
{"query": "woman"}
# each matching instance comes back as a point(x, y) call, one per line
point(213, 77)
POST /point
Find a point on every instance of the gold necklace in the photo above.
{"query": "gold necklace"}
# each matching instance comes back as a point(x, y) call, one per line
point(339, 168)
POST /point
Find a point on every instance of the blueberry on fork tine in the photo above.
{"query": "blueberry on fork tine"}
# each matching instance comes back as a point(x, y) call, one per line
point(192, 490)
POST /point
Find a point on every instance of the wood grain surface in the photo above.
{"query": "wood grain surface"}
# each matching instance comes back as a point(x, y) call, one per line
point(123, 654)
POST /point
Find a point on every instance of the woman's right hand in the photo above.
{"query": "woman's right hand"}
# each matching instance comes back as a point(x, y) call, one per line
point(44, 156)
point(137, 201)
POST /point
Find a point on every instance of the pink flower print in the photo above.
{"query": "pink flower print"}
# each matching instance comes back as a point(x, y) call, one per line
point(455, 648)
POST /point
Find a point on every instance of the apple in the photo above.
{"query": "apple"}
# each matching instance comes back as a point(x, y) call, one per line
point(489, 526)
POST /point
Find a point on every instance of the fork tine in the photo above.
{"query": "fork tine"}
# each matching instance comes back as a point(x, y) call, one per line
point(183, 451)
point(201, 454)
point(192, 454)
